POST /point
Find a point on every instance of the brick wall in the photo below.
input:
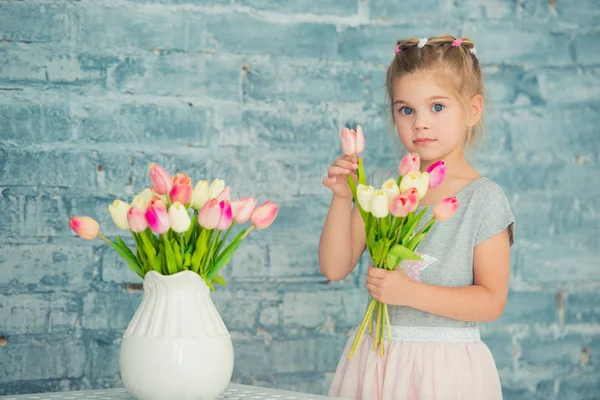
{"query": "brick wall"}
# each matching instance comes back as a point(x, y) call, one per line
point(255, 92)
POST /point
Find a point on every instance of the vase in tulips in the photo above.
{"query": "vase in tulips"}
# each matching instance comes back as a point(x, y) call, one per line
point(177, 346)
point(391, 216)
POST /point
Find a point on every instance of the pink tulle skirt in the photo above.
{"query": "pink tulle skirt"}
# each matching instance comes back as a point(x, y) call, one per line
point(451, 364)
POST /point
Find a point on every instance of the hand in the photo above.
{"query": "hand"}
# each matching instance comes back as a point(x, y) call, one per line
point(337, 176)
point(388, 287)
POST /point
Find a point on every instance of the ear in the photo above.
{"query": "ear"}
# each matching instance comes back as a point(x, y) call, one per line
point(476, 109)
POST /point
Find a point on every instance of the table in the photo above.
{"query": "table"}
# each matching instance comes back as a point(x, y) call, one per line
point(233, 392)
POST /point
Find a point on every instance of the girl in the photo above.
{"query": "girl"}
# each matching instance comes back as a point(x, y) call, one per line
point(436, 93)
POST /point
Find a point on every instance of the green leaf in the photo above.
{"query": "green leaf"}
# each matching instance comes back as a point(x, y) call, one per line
point(362, 177)
point(129, 257)
point(218, 280)
point(224, 257)
point(187, 261)
point(409, 227)
point(169, 257)
point(150, 251)
point(403, 253)
point(200, 251)
point(378, 251)
point(385, 226)
point(177, 254)
point(189, 234)
point(414, 242)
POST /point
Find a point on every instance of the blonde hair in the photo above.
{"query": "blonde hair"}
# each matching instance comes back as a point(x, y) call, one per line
point(455, 57)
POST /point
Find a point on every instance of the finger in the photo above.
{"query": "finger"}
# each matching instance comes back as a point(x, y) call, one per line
point(329, 181)
point(351, 159)
point(372, 289)
point(333, 170)
point(376, 272)
point(346, 164)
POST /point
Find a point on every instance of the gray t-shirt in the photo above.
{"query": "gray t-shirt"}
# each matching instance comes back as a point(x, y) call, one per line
point(484, 211)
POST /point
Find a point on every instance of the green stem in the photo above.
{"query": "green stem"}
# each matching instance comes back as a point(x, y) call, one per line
point(430, 222)
point(247, 232)
point(101, 236)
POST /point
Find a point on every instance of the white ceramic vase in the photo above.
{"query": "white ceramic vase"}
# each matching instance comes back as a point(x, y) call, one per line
point(176, 346)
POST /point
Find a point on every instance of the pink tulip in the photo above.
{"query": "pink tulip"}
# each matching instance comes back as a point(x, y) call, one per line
point(136, 219)
point(182, 189)
point(86, 227)
point(400, 206)
point(225, 194)
point(409, 163)
point(226, 217)
point(160, 179)
point(436, 171)
point(157, 218)
point(210, 214)
point(353, 142)
point(413, 197)
point(264, 215)
point(445, 208)
point(242, 209)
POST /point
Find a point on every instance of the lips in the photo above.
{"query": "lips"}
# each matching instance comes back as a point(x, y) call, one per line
point(423, 141)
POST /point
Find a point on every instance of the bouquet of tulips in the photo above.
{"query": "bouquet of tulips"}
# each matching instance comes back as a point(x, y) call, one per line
point(390, 217)
point(177, 228)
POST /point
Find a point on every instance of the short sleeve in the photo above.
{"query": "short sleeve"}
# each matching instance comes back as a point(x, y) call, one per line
point(496, 217)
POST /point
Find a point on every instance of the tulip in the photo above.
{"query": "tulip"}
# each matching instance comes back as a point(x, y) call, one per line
point(215, 188)
point(137, 219)
point(379, 205)
point(200, 195)
point(353, 142)
point(85, 227)
point(182, 189)
point(160, 179)
point(264, 215)
point(242, 209)
point(420, 181)
point(139, 203)
point(118, 211)
point(179, 217)
point(226, 217)
point(157, 217)
point(147, 195)
point(210, 214)
point(391, 189)
point(158, 202)
point(365, 195)
point(412, 195)
point(409, 163)
point(436, 172)
point(400, 206)
point(225, 194)
point(445, 209)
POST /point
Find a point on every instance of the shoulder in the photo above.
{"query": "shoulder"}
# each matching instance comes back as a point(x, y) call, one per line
point(491, 209)
point(378, 176)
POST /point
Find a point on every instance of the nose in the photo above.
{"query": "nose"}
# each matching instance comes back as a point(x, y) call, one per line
point(420, 123)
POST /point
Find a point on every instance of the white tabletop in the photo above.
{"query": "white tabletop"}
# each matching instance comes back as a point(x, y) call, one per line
point(234, 391)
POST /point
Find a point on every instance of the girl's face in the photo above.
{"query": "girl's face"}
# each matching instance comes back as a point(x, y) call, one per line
point(431, 121)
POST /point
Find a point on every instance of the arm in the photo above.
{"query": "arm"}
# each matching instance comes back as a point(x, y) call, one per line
point(342, 240)
point(484, 301)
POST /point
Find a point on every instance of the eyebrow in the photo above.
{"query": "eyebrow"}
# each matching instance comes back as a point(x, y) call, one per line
point(430, 99)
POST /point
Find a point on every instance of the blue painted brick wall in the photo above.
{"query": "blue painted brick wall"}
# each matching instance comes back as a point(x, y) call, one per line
point(255, 91)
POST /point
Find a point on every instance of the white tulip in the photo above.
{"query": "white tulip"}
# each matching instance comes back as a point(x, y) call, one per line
point(390, 187)
point(419, 181)
point(118, 211)
point(200, 195)
point(379, 205)
point(179, 217)
point(365, 195)
point(216, 187)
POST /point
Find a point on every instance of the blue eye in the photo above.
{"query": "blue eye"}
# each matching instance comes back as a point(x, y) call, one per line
point(406, 111)
point(437, 107)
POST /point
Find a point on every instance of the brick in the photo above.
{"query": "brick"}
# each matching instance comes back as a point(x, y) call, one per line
point(581, 84)
point(508, 85)
point(39, 119)
point(315, 309)
point(390, 11)
point(11, 217)
point(582, 307)
point(327, 7)
point(533, 307)
point(102, 359)
point(307, 354)
point(177, 74)
point(250, 356)
point(485, 10)
point(239, 309)
point(584, 13)
point(580, 386)
point(53, 22)
point(109, 311)
point(40, 64)
point(249, 261)
point(49, 358)
point(583, 46)
point(502, 348)
point(139, 121)
point(115, 268)
point(47, 265)
point(24, 313)
point(564, 351)
point(301, 259)
point(272, 80)
point(530, 128)
point(541, 46)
